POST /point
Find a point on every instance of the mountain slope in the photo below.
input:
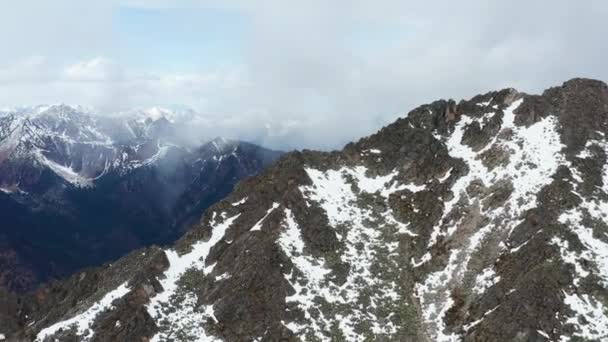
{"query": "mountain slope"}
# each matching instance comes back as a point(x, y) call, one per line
point(477, 221)
point(79, 189)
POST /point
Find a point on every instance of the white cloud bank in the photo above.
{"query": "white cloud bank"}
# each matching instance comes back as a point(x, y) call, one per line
point(313, 73)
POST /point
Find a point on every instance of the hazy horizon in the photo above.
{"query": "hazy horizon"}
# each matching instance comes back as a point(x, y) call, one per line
point(309, 74)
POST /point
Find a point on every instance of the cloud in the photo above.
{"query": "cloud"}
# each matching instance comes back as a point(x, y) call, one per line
point(311, 73)
point(31, 69)
point(98, 69)
point(55, 29)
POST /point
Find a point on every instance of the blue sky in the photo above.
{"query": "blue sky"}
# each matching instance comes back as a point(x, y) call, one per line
point(290, 74)
point(179, 38)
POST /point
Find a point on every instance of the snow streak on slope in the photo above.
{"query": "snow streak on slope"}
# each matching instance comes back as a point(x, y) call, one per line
point(533, 156)
point(241, 202)
point(258, 225)
point(84, 321)
point(65, 172)
point(590, 318)
point(311, 269)
point(173, 317)
point(370, 294)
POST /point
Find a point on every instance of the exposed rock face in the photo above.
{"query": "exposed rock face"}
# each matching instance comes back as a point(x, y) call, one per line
point(478, 221)
point(78, 189)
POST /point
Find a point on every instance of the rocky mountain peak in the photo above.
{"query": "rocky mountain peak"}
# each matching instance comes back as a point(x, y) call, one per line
point(478, 220)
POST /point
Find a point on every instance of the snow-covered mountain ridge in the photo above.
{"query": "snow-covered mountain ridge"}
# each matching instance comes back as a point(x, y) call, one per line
point(81, 146)
point(483, 220)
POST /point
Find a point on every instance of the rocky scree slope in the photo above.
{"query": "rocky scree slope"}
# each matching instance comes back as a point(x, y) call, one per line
point(483, 220)
point(80, 189)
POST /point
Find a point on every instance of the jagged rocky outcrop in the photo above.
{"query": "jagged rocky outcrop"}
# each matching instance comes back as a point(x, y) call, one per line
point(79, 189)
point(483, 220)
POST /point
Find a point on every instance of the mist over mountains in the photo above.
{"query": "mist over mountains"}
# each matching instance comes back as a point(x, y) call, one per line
point(78, 189)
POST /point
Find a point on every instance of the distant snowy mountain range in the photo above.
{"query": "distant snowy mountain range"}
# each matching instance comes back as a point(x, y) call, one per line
point(87, 181)
point(81, 146)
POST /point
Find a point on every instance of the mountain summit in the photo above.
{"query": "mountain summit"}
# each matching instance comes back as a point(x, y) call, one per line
point(482, 220)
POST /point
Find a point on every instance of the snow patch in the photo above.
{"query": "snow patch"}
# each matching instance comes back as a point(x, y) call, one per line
point(223, 276)
point(187, 316)
point(596, 250)
point(446, 176)
point(338, 193)
point(587, 309)
point(65, 172)
point(258, 225)
point(83, 322)
point(242, 201)
point(485, 280)
point(534, 155)
point(572, 258)
point(312, 270)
